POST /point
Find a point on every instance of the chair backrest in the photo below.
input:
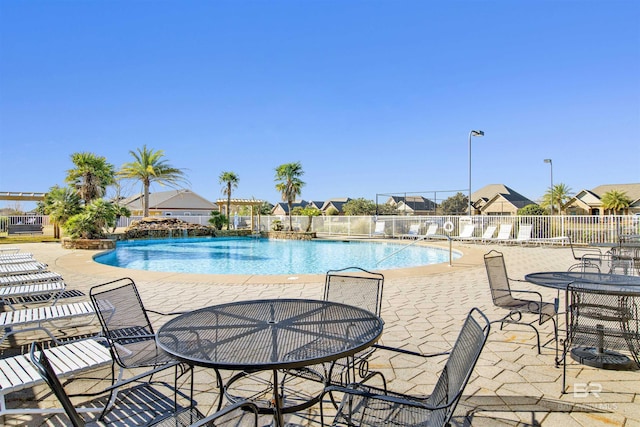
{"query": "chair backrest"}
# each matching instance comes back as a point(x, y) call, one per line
point(488, 232)
point(414, 229)
point(432, 229)
point(462, 359)
point(467, 230)
point(603, 317)
point(498, 278)
point(524, 232)
point(504, 233)
point(41, 362)
point(124, 322)
point(355, 286)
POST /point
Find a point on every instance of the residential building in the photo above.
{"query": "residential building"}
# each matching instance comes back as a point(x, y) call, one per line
point(589, 202)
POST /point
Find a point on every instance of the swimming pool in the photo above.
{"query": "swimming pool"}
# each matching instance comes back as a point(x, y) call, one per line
point(243, 255)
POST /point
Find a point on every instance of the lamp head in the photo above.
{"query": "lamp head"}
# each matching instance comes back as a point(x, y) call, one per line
point(477, 133)
point(547, 160)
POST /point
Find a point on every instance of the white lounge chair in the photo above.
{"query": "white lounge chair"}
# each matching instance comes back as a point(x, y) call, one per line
point(22, 268)
point(413, 233)
point(17, 279)
point(487, 236)
point(16, 258)
point(431, 230)
point(35, 318)
point(8, 294)
point(379, 230)
point(466, 233)
point(504, 233)
point(18, 373)
point(524, 233)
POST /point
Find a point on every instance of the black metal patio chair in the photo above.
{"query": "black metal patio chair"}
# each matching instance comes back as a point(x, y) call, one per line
point(503, 297)
point(142, 405)
point(130, 334)
point(365, 405)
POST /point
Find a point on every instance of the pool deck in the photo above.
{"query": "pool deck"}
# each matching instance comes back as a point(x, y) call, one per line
point(423, 309)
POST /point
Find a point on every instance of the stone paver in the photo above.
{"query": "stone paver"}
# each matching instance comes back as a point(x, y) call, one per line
point(423, 310)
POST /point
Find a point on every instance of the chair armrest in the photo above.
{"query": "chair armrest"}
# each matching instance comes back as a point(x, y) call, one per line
point(245, 405)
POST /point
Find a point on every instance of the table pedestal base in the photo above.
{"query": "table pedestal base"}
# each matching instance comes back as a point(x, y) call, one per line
point(606, 359)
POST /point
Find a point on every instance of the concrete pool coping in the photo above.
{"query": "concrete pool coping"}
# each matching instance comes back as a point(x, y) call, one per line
point(81, 260)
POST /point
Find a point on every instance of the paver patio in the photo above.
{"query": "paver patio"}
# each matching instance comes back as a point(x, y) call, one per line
point(423, 309)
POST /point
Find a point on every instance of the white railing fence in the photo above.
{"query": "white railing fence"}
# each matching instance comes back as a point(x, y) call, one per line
point(581, 229)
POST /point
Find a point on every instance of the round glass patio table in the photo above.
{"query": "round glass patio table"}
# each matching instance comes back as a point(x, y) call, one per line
point(616, 283)
point(275, 334)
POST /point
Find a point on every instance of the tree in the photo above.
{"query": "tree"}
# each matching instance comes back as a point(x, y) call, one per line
point(309, 212)
point(561, 194)
point(455, 205)
point(230, 181)
point(359, 206)
point(217, 220)
point(149, 167)
point(531, 209)
point(61, 203)
point(93, 221)
point(616, 201)
point(289, 185)
point(91, 176)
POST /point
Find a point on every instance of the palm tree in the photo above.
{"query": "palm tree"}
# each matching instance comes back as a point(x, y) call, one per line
point(561, 194)
point(230, 181)
point(61, 204)
point(91, 176)
point(615, 201)
point(148, 167)
point(290, 185)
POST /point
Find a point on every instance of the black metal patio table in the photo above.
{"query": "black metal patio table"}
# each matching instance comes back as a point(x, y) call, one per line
point(270, 335)
point(615, 283)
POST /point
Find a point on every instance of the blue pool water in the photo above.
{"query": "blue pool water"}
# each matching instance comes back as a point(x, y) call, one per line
point(266, 256)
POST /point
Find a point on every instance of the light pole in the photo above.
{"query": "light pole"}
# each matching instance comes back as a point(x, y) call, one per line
point(551, 165)
point(472, 133)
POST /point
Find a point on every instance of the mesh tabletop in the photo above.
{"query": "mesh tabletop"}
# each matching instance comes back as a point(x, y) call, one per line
point(269, 334)
point(562, 279)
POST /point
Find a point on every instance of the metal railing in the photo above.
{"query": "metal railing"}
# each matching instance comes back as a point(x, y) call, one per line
point(582, 229)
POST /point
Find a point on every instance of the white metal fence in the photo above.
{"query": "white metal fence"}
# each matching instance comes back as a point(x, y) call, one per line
point(581, 229)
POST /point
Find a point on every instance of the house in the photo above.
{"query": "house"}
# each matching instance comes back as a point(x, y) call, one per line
point(588, 202)
point(170, 203)
point(337, 204)
point(282, 208)
point(413, 205)
point(498, 199)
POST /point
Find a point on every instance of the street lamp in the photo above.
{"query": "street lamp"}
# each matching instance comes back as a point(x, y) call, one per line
point(472, 133)
point(551, 165)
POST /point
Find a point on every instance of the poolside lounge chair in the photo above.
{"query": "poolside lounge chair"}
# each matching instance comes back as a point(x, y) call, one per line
point(10, 294)
point(524, 234)
point(413, 233)
point(22, 268)
point(431, 230)
point(487, 236)
point(504, 233)
point(16, 279)
point(16, 258)
point(373, 406)
point(17, 372)
point(35, 318)
point(144, 404)
point(466, 233)
point(379, 230)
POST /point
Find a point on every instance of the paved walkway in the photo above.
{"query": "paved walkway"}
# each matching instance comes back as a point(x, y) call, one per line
point(423, 310)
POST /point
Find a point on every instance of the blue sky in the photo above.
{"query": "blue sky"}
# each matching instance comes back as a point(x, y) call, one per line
point(370, 96)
